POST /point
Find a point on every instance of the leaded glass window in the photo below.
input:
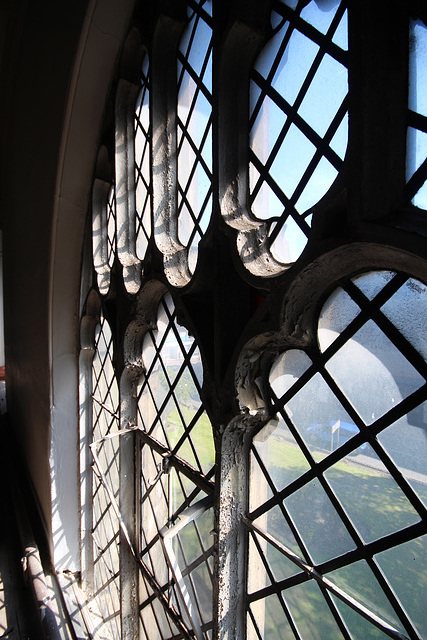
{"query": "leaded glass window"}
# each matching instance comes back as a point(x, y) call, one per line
point(194, 123)
point(177, 465)
point(264, 472)
point(105, 480)
point(416, 165)
point(298, 120)
point(337, 513)
point(111, 226)
point(143, 190)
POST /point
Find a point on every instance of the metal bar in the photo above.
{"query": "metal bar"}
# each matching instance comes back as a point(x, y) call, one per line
point(114, 504)
point(184, 595)
point(178, 463)
point(187, 516)
point(158, 593)
point(167, 535)
point(103, 406)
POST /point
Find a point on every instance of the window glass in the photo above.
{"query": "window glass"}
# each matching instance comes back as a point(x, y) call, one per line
point(298, 120)
point(416, 163)
point(111, 226)
point(194, 128)
point(177, 460)
point(143, 192)
point(338, 481)
point(105, 480)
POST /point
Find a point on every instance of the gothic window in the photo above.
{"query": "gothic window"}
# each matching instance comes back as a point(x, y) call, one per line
point(183, 203)
point(176, 456)
point(337, 494)
point(194, 124)
point(143, 190)
point(105, 572)
point(253, 461)
point(298, 120)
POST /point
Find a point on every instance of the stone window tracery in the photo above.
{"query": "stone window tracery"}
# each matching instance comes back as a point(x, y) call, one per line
point(298, 120)
point(337, 499)
point(238, 500)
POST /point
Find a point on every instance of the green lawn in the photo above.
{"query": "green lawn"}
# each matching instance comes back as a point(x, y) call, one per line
point(201, 436)
point(377, 507)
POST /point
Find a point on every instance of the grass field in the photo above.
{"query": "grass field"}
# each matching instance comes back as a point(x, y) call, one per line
point(200, 434)
point(377, 507)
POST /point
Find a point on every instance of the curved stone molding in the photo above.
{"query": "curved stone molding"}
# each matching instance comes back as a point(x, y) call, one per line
point(242, 44)
point(145, 318)
point(100, 192)
point(164, 97)
point(180, 168)
point(301, 305)
point(126, 97)
point(89, 321)
point(272, 232)
point(96, 53)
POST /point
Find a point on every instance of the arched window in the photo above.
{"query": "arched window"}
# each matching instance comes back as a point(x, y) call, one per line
point(143, 190)
point(298, 120)
point(337, 480)
point(257, 434)
point(194, 129)
point(176, 457)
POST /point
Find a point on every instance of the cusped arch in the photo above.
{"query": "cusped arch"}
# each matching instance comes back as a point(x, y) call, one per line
point(282, 380)
point(147, 302)
point(128, 89)
point(287, 165)
point(89, 321)
point(302, 304)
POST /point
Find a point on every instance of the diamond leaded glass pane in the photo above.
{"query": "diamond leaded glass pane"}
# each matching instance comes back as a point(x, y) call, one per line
point(194, 128)
point(105, 531)
point(337, 483)
point(416, 159)
point(298, 120)
point(143, 191)
point(111, 226)
point(177, 454)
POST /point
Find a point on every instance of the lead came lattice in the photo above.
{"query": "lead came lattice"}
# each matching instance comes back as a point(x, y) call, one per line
point(298, 120)
point(339, 493)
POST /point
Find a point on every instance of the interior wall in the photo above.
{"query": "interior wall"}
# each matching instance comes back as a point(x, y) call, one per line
point(103, 32)
point(56, 71)
point(39, 49)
